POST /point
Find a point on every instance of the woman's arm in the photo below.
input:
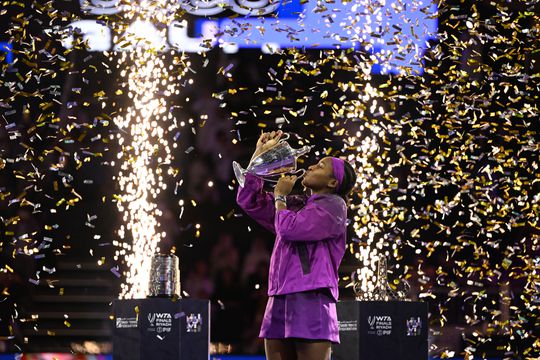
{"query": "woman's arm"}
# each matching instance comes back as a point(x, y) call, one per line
point(256, 202)
point(319, 220)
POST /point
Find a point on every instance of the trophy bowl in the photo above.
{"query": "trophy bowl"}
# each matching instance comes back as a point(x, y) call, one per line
point(271, 164)
point(164, 276)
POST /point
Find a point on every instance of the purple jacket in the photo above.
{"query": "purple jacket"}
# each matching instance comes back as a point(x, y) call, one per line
point(310, 237)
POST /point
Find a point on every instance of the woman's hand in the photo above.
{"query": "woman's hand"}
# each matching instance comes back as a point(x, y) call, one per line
point(285, 185)
point(266, 141)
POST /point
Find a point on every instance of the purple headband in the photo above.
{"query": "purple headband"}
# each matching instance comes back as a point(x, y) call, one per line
point(339, 171)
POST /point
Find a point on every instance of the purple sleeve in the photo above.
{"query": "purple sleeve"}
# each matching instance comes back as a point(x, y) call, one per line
point(256, 202)
point(314, 222)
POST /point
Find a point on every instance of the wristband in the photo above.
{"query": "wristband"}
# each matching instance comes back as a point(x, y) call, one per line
point(281, 198)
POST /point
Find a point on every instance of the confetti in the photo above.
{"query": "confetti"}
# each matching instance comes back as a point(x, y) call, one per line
point(446, 152)
point(116, 272)
point(445, 144)
point(179, 315)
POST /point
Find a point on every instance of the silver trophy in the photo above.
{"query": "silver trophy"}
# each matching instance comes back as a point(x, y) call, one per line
point(382, 290)
point(271, 164)
point(164, 276)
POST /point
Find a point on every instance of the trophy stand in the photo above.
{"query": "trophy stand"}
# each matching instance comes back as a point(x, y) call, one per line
point(381, 324)
point(163, 326)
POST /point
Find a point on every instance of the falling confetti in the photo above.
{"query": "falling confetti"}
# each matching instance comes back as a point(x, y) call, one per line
point(447, 160)
point(445, 144)
point(145, 151)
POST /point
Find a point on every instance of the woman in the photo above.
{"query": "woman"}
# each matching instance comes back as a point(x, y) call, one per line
point(300, 321)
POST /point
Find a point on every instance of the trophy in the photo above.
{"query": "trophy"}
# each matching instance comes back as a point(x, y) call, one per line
point(382, 290)
point(271, 164)
point(164, 276)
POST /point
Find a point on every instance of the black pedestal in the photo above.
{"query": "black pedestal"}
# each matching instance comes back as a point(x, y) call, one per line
point(161, 329)
point(382, 330)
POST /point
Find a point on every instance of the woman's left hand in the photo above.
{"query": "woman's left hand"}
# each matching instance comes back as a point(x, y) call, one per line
point(285, 185)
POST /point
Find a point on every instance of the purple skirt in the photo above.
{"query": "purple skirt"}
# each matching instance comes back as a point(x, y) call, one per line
point(306, 315)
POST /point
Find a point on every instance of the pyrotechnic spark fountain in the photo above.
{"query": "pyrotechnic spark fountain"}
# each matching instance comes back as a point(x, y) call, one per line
point(145, 153)
point(371, 186)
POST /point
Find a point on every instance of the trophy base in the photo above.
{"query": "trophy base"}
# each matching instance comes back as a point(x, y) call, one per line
point(239, 172)
point(163, 296)
point(382, 330)
point(159, 329)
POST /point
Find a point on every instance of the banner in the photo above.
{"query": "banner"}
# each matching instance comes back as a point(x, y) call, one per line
point(382, 330)
point(156, 328)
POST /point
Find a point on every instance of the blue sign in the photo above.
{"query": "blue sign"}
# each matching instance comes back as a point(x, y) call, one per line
point(7, 48)
point(395, 34)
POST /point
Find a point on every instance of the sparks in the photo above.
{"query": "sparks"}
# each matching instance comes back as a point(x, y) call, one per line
point(144, 149)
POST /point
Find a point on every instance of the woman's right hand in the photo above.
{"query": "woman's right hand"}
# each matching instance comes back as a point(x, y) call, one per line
point(266, 141)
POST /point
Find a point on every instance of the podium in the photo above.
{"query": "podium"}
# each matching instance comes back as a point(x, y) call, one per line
point(382, 330)
point(161, 328)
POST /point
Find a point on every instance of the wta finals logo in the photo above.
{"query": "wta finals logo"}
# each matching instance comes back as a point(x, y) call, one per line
point(159, 322)
point(151, 319)
point(414, 326)
point(380, 325)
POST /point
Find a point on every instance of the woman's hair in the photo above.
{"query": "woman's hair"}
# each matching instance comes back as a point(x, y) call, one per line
point(349, 180)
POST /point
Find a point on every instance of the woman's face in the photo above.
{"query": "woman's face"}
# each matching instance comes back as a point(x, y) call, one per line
point(320, 175)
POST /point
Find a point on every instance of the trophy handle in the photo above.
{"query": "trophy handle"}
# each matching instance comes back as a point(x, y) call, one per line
point(303, 150)
point(272, 180)
point(240, 173)
point(284, 137)
point(303, 171)
point(276, 179)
